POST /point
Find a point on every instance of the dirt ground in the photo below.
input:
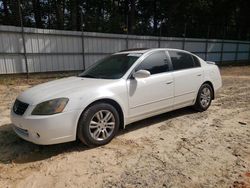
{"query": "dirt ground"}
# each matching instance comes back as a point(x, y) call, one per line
point(183, 148)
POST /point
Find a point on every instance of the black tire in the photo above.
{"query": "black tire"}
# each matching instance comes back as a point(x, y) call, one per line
point(199, 104)
point(84, 131)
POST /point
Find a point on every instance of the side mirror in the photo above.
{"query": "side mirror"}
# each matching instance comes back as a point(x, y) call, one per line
point(141, 74)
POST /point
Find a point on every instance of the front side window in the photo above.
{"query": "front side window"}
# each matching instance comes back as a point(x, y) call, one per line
point(181, 60)
point(155, 63)
point(112, 67)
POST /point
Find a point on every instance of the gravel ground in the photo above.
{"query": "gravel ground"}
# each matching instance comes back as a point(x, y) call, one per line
point(183, 148)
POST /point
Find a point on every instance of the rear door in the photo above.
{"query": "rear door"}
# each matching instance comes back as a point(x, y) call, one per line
point(148, 95)
point(188, 76)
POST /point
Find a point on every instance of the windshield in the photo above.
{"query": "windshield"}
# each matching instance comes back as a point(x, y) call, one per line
point(112, 67)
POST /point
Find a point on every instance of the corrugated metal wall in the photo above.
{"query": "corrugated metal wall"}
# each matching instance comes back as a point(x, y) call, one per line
point(55, 50)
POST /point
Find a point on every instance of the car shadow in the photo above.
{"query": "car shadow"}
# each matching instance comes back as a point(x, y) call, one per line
point(157, 119)
point(16, 150)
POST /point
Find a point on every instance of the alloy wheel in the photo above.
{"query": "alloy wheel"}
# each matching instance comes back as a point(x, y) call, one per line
point(102, 125)
point(205, 97)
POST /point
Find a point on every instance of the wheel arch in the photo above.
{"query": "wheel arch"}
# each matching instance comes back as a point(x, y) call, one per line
point(112, 102)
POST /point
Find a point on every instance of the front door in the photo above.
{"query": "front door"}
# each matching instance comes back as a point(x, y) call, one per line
point(152, 94)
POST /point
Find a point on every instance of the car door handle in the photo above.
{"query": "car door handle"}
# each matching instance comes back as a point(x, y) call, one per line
point(198, 74)
point(170, 82)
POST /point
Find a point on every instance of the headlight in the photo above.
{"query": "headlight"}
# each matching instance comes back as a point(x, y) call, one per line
point(50, 107)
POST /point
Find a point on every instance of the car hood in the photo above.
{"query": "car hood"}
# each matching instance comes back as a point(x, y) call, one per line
point(60, 88)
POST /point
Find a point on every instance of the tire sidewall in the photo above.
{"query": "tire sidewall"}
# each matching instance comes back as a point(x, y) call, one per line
point(84, 122)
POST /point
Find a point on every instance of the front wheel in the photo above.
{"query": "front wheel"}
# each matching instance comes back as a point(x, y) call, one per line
point(204, 98)
point(98, 124)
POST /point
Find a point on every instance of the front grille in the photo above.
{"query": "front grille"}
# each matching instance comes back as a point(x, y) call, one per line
point(20, 107)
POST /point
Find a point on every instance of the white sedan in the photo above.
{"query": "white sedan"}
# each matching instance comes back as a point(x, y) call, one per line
point(120, 89)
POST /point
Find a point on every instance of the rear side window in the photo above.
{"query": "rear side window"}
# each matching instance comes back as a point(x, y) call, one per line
point(155, 63)
point(181, 60)
point(196, 61)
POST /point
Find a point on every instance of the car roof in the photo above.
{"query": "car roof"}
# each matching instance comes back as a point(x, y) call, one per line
point(134, 50)
point(144, 50)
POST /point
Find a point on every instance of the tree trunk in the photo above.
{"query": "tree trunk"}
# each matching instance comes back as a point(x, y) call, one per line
point(6, 12)
point(37, 11)
point(155, 17)
point(5, 8)
point(60, 13)
point(126, 16)
point(74, 14)
point(132, 17)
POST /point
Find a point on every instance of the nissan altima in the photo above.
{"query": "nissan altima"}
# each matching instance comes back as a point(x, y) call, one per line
point(120, 89)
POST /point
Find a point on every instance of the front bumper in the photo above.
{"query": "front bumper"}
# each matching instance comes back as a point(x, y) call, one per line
point(46, 130)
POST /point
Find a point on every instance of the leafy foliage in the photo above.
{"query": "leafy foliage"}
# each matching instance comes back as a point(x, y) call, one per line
point(191, 18)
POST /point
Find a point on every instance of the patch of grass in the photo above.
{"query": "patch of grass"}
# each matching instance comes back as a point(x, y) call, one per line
point(34, 78)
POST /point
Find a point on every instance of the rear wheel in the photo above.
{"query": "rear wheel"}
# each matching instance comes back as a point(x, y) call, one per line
point(98, 124)
point(204, 98)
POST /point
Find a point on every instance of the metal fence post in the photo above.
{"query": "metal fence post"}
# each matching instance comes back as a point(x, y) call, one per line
point(83, 48)
point(249, 52)
point(221, 51)
point(23, 38)
point(237, 47)
point(159, 42)
point(159, 38)
point(127, 42)
point(184, 36)
point(127, 32)
point(236, 52)
point(206, 47)
point(222, 46)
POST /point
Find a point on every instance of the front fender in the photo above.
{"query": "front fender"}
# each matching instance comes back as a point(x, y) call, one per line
point(89, 97)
